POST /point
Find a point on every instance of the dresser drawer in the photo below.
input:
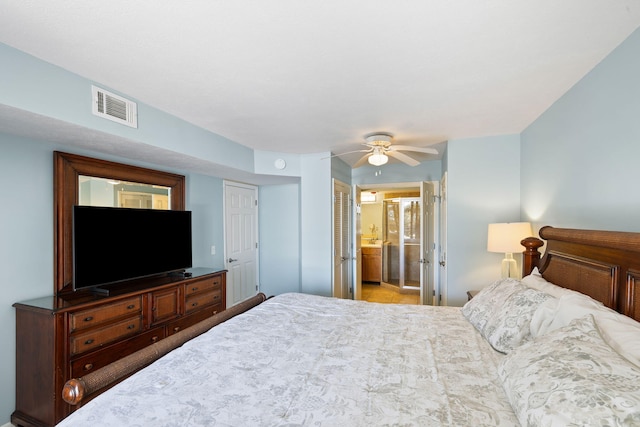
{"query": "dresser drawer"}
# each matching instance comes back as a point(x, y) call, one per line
point(99, 358)
point(196, 301)
point(199, 316)
point(203, 285)
point(91, 317)
point(85, 341)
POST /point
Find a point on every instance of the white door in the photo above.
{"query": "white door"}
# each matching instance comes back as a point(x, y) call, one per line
point(427, 244)
point(443, 240)
point(342, 287)
point(357, 243)
point(241, 241)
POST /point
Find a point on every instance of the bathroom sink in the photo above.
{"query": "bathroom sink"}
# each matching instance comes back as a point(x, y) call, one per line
point(369, 244)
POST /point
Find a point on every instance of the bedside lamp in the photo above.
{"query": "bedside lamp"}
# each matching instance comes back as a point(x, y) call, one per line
point(505, 238)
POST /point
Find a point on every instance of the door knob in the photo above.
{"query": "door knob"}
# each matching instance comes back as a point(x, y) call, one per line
point(231, 260)
point(442, 263)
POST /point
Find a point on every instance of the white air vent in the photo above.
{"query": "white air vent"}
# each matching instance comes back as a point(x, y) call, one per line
point(113, 107)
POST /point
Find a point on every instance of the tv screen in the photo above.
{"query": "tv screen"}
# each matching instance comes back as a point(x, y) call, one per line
point(112, 245)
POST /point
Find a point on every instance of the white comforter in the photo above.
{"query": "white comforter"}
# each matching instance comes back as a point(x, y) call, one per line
point(306, 360)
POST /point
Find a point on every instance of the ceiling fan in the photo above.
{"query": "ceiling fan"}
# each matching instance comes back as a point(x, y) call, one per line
point(380, 148)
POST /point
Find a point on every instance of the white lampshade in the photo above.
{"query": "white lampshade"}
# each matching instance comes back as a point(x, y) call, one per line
point(378, 158)
point(505, 237)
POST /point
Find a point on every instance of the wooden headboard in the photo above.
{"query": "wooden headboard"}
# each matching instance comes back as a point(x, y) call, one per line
point(602, 264)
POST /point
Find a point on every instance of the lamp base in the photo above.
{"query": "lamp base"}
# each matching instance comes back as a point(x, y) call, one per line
point(509, 267)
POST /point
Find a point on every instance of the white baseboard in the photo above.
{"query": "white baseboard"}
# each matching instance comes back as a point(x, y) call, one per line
point(8, 425)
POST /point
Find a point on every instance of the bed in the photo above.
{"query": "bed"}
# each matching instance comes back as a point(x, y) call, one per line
point(560, 346)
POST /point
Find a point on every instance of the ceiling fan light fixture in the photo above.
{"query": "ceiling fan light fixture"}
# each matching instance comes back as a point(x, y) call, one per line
point(378, 158)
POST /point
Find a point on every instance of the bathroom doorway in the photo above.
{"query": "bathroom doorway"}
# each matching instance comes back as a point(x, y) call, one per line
point(398, 223)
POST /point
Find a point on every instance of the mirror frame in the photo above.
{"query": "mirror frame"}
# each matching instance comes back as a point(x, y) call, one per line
point(67, 170)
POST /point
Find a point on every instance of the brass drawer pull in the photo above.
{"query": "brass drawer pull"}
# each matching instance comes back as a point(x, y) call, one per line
point(154, 338)
point(88, 319)
point(176, 329)
point(88, 366)
point(131, 327)
point(194, 304)
point(195, 288)
point(89, 341)
point(131, 306)
point(215, 312)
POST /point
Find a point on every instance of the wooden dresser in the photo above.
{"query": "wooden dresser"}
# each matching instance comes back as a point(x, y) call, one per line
point(59, 338)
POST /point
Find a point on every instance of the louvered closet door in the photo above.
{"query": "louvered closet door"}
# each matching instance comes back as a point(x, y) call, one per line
point(342, 287)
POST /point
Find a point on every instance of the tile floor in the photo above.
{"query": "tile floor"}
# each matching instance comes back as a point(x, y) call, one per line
point(377, 293)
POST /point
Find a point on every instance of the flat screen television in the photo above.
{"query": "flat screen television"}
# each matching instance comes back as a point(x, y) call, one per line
point(112, 245)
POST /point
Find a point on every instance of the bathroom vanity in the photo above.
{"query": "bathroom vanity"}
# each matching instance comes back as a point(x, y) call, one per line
point(372, 263)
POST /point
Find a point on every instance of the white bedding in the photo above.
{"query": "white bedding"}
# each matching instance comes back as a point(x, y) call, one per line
point(306, 360)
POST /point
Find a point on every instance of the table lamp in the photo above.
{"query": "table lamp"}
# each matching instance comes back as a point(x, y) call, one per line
point(505, 237)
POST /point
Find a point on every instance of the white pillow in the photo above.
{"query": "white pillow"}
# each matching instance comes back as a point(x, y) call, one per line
point(536, 281)
point(543, 316)
point(571, 377)
point(619, 331)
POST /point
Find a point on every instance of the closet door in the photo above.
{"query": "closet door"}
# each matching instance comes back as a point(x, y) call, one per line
point(241, 241)
point(342, 286)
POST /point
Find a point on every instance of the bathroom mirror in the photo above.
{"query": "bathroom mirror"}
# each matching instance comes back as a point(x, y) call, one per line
point(89, 181)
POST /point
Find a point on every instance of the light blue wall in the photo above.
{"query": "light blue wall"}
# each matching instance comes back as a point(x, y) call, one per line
point(264, 163)
point(483, 187)
point(26, 248)
point(340, 170)
point(280, 237)
point(315, 226)
point(580, 158)
point(397, 172)
point(204, 199)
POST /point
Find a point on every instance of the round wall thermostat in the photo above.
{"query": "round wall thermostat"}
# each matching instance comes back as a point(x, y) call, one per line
point(280, 164)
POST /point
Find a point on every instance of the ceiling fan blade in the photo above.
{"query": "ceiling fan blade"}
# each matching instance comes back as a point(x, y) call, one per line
point(342, 154)
point(403, 157)
point(427, 150)
point(361, 162)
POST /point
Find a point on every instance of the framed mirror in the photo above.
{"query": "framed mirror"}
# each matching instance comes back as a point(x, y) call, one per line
point(109, 192)
point(80, 180)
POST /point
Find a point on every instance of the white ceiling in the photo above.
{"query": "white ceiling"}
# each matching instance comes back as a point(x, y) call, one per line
point(302, 77)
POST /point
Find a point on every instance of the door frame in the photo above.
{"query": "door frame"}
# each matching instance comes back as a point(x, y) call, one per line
point(438, 286)
point(356, 243)
point(225, 184)
point(442, 250)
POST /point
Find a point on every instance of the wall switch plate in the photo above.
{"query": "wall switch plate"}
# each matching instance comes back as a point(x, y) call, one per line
point(213, 250)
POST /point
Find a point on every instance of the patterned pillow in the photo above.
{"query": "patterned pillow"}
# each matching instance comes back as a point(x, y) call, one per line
point(489, 301)
point(510, 326)
point(571, 377)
